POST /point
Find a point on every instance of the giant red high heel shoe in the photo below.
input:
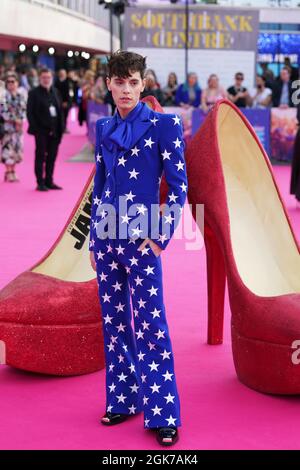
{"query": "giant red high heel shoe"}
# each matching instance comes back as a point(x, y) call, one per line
point(250, 242)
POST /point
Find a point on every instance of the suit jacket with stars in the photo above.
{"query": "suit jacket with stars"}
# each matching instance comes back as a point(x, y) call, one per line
point(157, 146)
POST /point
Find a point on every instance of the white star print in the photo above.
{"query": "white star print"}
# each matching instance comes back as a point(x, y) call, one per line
point(155, 313)
point(133, 173)
point(121, 358)
point(180, 166)
point(145, 251)
point(149, 142)
point(130, 196)
point(98, 157)
point(176, 120)
point(156, 410)
point(109, 408)
point(120, 250)
point(143, 377)
point(103, 276)
point(96, 200)
point(120, 307)
point(113, 266)
point(125, 219)
point(154, 121)
point(171, 421)
point(173, 198)
point(122, 161)
point(106, 297)
point(132, 409)
point(139, 334)
point(160, 334)
point(142, 303)
point(183, 187)
point(145, 400)
point(107, 319)
point(113, 339)
point(151, 346)
point(121, 398)
point(177, 143)
point(111, 367)
point(135, 151)
point(153, 291)
point(170, 398)
point(169, 218)
point(117, 286)
point(145, 325)
point(141, 356)
point(166, 155)
point(153, 366)
point(112, 387)
point(134, 388)
point(111, 347)
point(138, 280)
point(155, 387)
point(107, 193)
point(122, 377)
point(136, 312)
point(121, 327)
point(109, 248)
point(100, 255)
point(133, 261)
point(149, 270)
point(141, 209)
point(136, 231)
point(162, 238)
point(165, 355)
point(146, 422)
point(167, 376)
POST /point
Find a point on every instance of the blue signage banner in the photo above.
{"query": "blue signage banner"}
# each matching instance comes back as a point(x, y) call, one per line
point(260, 119)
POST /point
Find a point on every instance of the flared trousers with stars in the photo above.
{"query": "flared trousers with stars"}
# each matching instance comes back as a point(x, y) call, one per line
point(139, 359)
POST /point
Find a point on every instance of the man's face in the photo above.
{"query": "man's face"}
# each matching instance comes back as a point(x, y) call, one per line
point(126, 91)
point(285, 76)
point(46, 79)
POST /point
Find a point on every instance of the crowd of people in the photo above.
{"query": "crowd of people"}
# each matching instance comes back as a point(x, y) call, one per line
point(46, 99)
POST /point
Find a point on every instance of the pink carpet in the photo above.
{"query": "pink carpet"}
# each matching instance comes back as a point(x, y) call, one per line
point(218, 412)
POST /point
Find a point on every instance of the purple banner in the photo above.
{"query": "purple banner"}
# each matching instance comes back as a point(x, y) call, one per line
point(94, 112)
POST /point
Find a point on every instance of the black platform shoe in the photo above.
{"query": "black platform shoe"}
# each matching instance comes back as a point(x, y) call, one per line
point(109, 419)
point(167, 436)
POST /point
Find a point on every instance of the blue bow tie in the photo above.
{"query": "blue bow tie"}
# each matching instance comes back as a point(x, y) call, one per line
point(122, 131)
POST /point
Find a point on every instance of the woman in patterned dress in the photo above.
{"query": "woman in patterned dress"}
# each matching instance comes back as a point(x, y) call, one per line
point(12, 110)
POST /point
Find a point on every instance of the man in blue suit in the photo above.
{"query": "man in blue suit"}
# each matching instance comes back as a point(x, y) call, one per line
point(127, 236)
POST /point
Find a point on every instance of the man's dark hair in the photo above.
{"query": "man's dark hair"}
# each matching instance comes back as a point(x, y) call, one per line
point(123, 63)
point(44, 70)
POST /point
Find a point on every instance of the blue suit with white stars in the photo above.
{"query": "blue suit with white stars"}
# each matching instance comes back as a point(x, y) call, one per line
point(131, 155)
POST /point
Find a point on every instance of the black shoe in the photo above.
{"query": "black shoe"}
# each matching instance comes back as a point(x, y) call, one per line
point(52, 186)
point(41, 187)
point(110, 419)
point(167, 436)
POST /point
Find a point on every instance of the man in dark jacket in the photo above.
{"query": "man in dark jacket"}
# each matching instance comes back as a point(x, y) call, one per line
point(283, 91)
point(46, 123)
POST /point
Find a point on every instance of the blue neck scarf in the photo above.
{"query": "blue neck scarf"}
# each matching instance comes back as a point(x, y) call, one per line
point(122, 133)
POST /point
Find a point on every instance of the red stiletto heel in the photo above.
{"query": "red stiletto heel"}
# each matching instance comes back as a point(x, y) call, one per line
point(249, 238)
point(216, 279)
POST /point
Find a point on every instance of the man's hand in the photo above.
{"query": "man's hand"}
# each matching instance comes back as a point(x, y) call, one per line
point(155, 248)
point(92, 260)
